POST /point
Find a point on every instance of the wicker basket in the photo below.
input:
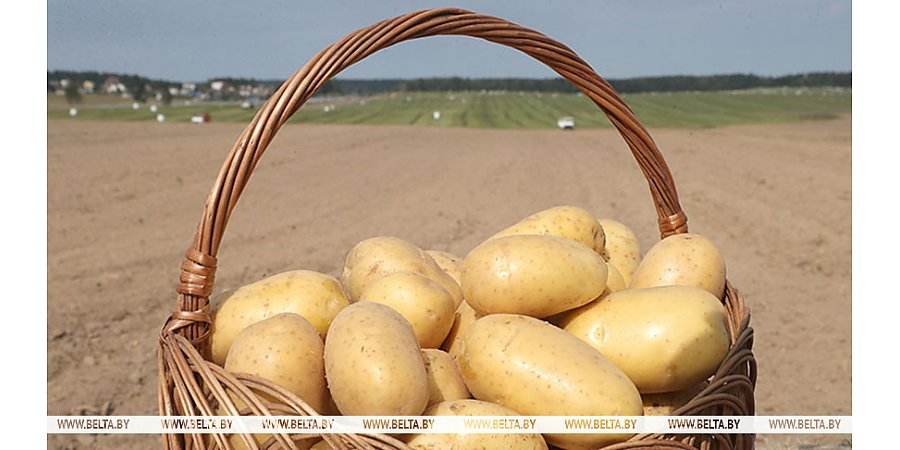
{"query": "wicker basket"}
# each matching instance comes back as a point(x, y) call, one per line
point(190, 385)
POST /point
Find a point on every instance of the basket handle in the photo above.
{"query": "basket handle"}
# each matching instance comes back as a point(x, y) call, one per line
point(191, 317)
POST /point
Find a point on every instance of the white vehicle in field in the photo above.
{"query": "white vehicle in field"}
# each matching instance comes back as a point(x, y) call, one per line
point(566, 123)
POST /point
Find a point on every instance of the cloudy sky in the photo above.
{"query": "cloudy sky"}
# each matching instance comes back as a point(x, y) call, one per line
point(200, 39)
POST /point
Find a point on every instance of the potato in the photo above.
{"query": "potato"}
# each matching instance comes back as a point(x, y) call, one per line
point(473, 441)
point(666, 339)
point(451, 264)
point(614, 280)
point(537, 369)
point(622, 249)
point(682, 260)
point(444, 381)
point(464, 317)
point(373, 363)
point(666, 404)
point(614, 283)
point(376, 257)
point(568, 222)
point(423, 303)
point(315, 296)
point(286, 350)
point(533, 275)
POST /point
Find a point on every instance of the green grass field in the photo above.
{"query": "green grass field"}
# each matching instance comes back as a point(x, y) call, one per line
point(518, 109)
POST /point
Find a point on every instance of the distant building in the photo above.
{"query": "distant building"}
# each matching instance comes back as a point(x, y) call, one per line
point(222, 90)
point(217, 85)
point(87, 87)
point(112, 85)
point(188, 89)
point(262, 90)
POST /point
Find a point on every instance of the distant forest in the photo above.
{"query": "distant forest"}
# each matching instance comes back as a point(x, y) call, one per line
point(627, 85)
point(378, 86)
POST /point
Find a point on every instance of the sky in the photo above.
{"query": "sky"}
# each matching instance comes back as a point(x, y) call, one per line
point(197, 40)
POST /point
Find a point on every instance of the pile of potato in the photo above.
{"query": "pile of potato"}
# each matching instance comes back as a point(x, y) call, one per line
point(556, 315)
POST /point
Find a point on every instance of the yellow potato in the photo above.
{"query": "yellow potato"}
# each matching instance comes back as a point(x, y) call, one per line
point(622, 249)
point(614, 280)
point(451, 264)
point(373, 363)
point(568, 222)
point(287, 350)
point(376, 257)
point(614, 283)
point(315, 296)
point(682, 260)
point(473, 441)
point(666, 404)
point(444, 381)
point(537, 369)
point(423, 303)
point(464, 317)
point(533, 275)
point(666, 339)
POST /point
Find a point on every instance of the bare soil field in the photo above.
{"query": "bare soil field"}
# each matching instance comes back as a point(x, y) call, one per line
point(124, 198)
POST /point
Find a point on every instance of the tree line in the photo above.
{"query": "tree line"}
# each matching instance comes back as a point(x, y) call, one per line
point(139, 86)
point(626, 85)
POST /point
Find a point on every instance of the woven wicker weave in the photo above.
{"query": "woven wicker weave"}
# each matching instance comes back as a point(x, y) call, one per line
point(190, 385)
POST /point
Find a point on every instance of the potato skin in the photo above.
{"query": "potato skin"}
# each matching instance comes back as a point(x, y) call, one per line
point(614, 283)
point(666, 339)
point(315, 296)
point(614, 280)
point(463, 318)
point(376, 257)
point(532, 275)
point(570, 222)
point(622, 249)
point(373, 364)
point(537, 369)
point(426, 305)
point(284, 349)
point(449, 263)
point(444, 381)
point(682, 260)
point(472, 441)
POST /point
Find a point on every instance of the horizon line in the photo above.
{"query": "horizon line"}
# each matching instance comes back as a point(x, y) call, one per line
point(150, 78)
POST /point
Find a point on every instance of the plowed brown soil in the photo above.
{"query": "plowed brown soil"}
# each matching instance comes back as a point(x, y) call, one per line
point(124, 198)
